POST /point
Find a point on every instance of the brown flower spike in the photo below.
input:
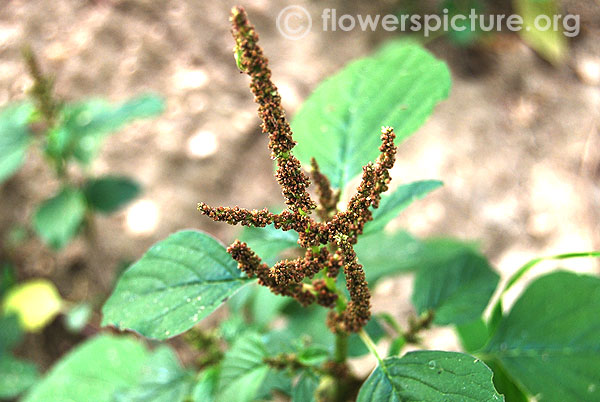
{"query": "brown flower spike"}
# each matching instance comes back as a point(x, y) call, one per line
point(328, 242)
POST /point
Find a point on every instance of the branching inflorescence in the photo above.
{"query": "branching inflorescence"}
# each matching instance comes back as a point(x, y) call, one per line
point(328, 241)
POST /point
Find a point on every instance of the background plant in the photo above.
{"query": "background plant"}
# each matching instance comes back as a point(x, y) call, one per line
point(552, 45)
point(69, 135)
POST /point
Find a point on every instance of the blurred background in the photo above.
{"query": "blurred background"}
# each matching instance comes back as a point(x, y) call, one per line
point(517, 143)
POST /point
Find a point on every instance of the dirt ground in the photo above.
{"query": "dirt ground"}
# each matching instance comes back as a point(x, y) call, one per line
point(517, 143)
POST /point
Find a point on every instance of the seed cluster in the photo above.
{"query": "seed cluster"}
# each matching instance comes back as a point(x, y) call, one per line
point(290, 176)
point(328, 199)
point(328, 243)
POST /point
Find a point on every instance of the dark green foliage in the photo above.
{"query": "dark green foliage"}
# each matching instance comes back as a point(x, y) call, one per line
point(109, 193)
point(457, 289)
point(430, 376)
point(177, 283)
point(548, 343)
point(58, 219)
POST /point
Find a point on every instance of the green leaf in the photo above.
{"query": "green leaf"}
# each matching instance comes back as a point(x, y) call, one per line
point(304, 390)
point(8, 278)
point(265, 305)
point(497, 313)
point(505, 385)
point(549, 340)
point(231, 328)
point(430, 376)
point(269, 242)
point(162, 379)
point(393, 203)
point(243, 369)
point(473, 335)
point(177, 283)
point(110, 193)
point(396, 346)
point(16, 376)
point(206, 388)
point(84, 125)
point(340, 123)
point(310, 322)
point(312, 355)
point(93, 371)
point(58, 219)
point(551, 44)
point(384, 254)
point(457, 290)
point(464, 34)
point(14, 138)
point(11, 332)
point(404, 253)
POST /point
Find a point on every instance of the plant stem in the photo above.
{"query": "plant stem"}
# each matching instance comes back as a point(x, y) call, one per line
point(369, 344)
point(416, 325)
point(341, 348)
point(391, 321)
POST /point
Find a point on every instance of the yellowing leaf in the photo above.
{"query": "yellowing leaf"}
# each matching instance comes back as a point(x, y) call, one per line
point(548, 41)
point(35, 302)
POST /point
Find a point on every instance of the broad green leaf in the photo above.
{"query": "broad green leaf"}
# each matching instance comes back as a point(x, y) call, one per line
point(206, 388)
point(383, 254)
point(276, 380)
point(265, 305)
point(234, 326)
point(432, 377)
point(243, 370)
point(93, 371)
point(84, 125)
point(497, 313)
point(550, 43)
point(177, 283)
point(304, 390)
point(473, 335)
point(340, 123)
point(10, 331)
point(58, 219)
point(16, 376)
point(35, 302)
point(458, 290)
point(268, 242)
point(505, 385)
point(404, 253)
point(14, 138)
point(395, 202)
point(548, 343)
point(162, 379)
point(110, 193)
point(309, 322)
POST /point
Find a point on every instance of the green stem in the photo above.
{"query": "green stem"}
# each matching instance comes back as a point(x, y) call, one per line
point(370, 344)
point(391, 321)
point(341, 348)
point(527, 267)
